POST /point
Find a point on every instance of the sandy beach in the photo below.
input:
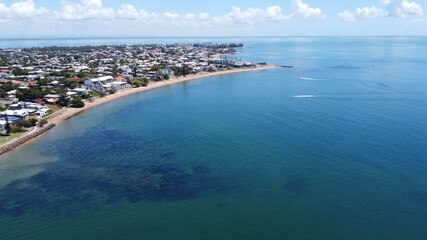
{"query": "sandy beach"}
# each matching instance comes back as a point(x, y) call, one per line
point(67, 113)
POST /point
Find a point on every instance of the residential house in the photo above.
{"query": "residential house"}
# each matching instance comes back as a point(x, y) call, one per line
point(99, 84)
point(106, 83)
point(33, 109)
point(52, 98)
point(13, 115)
point(167, 72)
point(79, 90)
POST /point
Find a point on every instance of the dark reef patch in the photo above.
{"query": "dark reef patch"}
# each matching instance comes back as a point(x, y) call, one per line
point(167, 155)
point(220, 205)
point(421, 198)
point(71, 186)
point(416, 195)
point(297, 185)
point(103, 166)
point(123, 148)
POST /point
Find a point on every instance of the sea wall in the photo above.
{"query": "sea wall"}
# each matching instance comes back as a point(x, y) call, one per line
point(19, 141)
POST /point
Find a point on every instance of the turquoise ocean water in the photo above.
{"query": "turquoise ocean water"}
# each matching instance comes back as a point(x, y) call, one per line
point(334, 148)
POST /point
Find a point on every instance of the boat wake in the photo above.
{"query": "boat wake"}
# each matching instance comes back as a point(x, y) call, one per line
point(304, 96)
point(312, 79)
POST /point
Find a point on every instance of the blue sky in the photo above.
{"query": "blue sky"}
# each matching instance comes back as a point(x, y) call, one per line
point(28, 18)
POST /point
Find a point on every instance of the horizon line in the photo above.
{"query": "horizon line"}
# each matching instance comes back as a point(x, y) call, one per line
point(148, 37)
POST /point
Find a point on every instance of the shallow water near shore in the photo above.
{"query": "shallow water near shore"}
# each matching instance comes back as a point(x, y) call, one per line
point(333, 148)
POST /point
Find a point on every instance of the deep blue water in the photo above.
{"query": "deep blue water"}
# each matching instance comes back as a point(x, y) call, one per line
point(334, 148)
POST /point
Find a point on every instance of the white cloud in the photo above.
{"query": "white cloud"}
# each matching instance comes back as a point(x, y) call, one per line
point(363, 13)
point(250, 16)
point(403, 8)
point(304, 12)
point(24, 9)
point(85, 10)
point(346, 15)
point(393, 8)
point(301, 11)
point(93, 12)
point(204, 16)
point(128, 12)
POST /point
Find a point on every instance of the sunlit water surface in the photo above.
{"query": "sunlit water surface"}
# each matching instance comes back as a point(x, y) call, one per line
point(334, 148)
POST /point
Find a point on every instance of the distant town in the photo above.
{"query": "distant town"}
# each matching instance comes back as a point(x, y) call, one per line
point(36, 82)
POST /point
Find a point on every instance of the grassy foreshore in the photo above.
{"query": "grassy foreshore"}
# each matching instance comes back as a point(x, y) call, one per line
point(13, 136)
point(67, 113)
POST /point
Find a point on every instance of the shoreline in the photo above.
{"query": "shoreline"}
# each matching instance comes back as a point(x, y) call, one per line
point(66, 113)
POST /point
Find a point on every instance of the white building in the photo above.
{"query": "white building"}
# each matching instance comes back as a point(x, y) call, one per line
point(106, 83)
point(99, 84)
point(79, 90)
point(13, 115)
point(32, 109)
point(3, 124)
point(119, 85)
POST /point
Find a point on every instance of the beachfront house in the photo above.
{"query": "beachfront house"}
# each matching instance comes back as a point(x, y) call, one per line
point(106, 83)
point(33, 109)
point(99, 84)
point(71, 94)
point(167, 72)
point(79, 90)
point(116, 86)
point(52, 98)
point(13, 115)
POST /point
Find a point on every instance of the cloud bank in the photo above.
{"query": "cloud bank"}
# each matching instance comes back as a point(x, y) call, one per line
point(24, 9)
point(94, 10)
point(92, 17)
point(393, 8)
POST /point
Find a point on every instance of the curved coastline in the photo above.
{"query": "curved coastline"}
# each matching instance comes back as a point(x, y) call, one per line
point(67, 113)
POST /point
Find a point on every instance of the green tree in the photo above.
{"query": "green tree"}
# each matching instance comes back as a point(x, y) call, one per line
point(20, 124)
point(134, 71)
point(63, 101)
point(60, 90)
point(3, 107)
point(144, 82)
point(72, 83)
point(7, 126)
point(42, 122)
point(19, 72)
point(8, 86)
point(86, 96)
point(33, 121)
point(154, 68)
point(30, 94)
point(82, 74)
point(178, 71)
point(77, 102)
point(42, 82)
